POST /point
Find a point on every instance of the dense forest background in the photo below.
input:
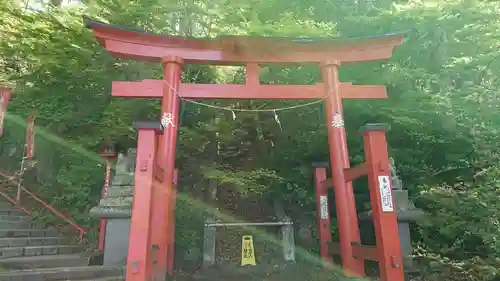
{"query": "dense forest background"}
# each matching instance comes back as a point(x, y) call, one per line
point(443, 109)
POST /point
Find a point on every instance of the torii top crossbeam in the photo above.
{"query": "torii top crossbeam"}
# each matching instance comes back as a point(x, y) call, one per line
point(237, 50)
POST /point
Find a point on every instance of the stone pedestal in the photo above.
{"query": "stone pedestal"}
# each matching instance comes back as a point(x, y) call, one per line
point(407, 214)
point(117, 209)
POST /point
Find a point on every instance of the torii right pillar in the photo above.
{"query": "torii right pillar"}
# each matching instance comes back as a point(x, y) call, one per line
point(377, 169)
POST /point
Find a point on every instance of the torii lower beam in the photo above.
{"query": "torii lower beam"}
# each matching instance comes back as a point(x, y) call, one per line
point(150, 88)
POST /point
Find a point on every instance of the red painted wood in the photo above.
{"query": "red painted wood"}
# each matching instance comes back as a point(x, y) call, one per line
point(385, 223)
point(365, 252)
point(344, 197)
point(5, 97)
point(238, 50)
point(158, 225)
point(166, 160)
point(103, 223)
point(152, 89)
point(252, 73)
point(102, 234)
point(355, 172)
point(139, 260)
point(324, 223)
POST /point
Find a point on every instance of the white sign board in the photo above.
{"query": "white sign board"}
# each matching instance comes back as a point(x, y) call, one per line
point(384, 186)
point(323, 202)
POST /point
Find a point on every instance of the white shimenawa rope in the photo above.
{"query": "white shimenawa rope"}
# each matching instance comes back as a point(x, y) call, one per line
point(243, 109)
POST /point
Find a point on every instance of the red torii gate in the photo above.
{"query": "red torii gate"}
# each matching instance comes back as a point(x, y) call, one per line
point(151, 239)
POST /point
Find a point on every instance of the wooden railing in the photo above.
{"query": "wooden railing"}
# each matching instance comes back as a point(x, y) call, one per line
point(82, 231)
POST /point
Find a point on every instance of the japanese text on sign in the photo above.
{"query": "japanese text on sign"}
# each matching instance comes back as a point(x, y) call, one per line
point(323, 202)
point(385, 193)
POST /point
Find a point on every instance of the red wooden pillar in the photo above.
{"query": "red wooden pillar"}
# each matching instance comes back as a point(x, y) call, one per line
point(344, 197)
point(166, 161)
point(383, 211)
point(107, 152)
point(103, 222)
point(139, 260)
point(323, 215)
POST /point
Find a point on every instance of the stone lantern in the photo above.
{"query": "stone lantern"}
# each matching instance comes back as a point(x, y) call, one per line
point(116, 207)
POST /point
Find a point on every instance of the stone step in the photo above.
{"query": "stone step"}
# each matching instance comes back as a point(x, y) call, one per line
point(64, 273)
point(15, 218)
point(102, 279)
point(28, 251)
point(29, 233)
point(33, 241)
point(13, 212)
point(50, 261)
point(105, 279)
point(19, 224)
point(6, 205)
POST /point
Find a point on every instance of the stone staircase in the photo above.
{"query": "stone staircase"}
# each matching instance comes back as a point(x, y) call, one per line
point(31, 252)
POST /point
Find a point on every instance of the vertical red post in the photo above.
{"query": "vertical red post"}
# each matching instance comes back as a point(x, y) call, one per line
point(103, 223)
point(166, 159)
point(5, 96)
point(323, 215)
point(344, 196)
point(171, 234)
point(158, 219)
point(107, 152)
point(383, 211)
point(139, 260)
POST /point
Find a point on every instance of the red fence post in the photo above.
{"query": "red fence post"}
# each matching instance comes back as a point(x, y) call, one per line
point(107, 152)
point(103, 222)
point(344, 196)
point(383, 211)
point(139, 260)
point(323, 214)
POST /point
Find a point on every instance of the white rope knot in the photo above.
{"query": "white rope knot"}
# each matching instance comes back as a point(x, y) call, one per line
point(167, 120)
point(337, 121)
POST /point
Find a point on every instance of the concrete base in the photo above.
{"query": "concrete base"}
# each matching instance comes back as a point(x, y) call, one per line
point(116, 243)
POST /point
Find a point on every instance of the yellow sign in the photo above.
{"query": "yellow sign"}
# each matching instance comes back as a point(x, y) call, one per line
point(247, 251)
